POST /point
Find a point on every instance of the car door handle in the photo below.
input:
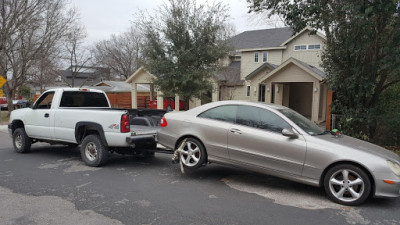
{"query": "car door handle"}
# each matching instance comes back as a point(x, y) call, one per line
point(235, 131)
point(46, 115)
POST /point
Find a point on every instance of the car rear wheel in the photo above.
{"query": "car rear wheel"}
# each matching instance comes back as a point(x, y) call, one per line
point(93, 152)
point(347, 184)
point(193, 154)
point(21, 141)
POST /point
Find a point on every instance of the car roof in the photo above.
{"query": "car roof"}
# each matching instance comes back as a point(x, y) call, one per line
point(234, 102)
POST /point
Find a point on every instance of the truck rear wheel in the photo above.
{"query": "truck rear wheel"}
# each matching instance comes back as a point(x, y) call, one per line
point(21, 141)
point(93, 152)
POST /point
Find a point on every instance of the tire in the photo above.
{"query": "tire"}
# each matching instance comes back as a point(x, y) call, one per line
point(21, 141)
point(93, 152)
point(194, 154)
point(347, 184)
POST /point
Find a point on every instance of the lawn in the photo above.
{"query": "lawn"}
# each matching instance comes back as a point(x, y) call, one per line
point(4, 117)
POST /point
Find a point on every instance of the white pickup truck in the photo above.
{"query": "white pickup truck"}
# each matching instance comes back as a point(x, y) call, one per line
point(73, 116)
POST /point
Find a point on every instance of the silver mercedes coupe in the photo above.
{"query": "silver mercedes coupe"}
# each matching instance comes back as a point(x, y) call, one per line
point(278, 141)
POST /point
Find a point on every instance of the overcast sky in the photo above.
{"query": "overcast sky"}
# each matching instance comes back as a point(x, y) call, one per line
point(104, 17)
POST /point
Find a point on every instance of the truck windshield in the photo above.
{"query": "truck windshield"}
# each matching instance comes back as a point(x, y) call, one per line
point(83, 99)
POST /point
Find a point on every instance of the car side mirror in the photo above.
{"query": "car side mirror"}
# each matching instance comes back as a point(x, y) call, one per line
point(289, 133)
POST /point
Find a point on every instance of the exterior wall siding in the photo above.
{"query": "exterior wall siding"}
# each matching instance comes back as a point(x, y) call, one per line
point(311, 57)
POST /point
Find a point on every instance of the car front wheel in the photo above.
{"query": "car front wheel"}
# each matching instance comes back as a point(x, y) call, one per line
point(347, 184)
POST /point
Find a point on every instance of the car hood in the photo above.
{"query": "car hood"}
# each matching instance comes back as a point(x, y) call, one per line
point(347, 142)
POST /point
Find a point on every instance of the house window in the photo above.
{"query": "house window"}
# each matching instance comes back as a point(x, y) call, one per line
point(265, 56)
point(248, 91)
point(314, 47)
point(256, 57)
point(300, 47)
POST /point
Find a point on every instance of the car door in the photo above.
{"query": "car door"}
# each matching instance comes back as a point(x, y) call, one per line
point(38, 124)
point(256, 140)
point(213, 126)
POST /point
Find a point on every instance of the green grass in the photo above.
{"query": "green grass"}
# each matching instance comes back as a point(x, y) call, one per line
point(4, 117)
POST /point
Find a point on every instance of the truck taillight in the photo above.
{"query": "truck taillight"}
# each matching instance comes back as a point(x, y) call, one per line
point(163, 122)
point(125, 126)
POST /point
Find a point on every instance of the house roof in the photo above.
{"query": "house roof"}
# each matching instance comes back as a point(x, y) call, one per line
point(230, 75)
point(309, 29)
point(261, 38)
point(263, 66)
point(137, 72)
point(119, 86)
point(113, 86)
point(313, 71)
point(312, 68)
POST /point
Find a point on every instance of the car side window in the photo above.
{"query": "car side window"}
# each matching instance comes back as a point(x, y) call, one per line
point(225, 113)
point(260, 118)
point(45, 101)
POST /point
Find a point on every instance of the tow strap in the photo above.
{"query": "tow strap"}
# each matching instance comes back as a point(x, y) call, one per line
point(178, 155)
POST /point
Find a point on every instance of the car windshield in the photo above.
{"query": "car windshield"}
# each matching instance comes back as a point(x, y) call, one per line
point(304, 123)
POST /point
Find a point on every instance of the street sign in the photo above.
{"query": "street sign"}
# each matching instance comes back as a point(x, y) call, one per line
point(2, 81)
point(1, 93)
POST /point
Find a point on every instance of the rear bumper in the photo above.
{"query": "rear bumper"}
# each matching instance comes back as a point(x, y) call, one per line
point(142, 140)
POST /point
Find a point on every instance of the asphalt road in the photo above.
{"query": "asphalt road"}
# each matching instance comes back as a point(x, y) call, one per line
point(51, 185)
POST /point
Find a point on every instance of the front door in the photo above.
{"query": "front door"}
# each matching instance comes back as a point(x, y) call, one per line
point(38, 123)
point(256, 140)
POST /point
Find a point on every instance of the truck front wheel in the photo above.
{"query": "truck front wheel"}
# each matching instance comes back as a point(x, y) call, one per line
point(93, 152)
point(21, 141)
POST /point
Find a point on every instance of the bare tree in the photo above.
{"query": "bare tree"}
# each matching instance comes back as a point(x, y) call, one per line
point(28, 30)
point(78, 56)
point(121, 53)
point(44, 72)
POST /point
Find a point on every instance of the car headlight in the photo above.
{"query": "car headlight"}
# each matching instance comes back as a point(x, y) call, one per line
point(395, 167)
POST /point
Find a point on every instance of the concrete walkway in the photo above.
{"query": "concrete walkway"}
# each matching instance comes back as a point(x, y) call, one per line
point(4, 128)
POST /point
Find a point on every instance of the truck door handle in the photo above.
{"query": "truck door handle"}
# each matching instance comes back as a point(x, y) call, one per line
point(235, 131)
point(46, 115)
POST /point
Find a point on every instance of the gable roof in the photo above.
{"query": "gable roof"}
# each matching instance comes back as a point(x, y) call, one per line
point(313, 71)
point(113, 86)
point(138, 71)
point(265, 38)
point(230, 75)
point(309, 29)
point(312, 68)
point(263, 66)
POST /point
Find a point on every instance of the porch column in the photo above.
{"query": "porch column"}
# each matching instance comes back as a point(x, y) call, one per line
point(160, 100)
point(134, 96)
point(151, 91)
point(194, 103)
point(215, 92)
point(177, 102)
point(315, 101)
point(324, 99)
point(268, 89)
point(278, 94)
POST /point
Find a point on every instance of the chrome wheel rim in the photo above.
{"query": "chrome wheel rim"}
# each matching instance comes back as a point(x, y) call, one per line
point(190, 154)
point(91, 151)
point(346, 185)
point(18, 141)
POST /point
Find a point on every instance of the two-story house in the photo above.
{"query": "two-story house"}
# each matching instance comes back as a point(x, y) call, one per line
point(277, 66)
